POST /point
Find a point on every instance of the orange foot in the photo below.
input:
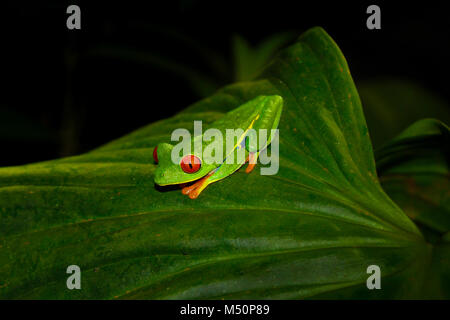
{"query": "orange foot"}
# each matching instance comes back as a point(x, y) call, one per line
point(251, 162)
point(194, 190)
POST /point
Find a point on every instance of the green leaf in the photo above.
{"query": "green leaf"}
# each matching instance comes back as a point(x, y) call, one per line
point(309, 231)
point(391, 105)
point(414, 171)
point(249, 61)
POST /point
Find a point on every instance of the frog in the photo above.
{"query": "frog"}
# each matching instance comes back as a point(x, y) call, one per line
point(195, 173)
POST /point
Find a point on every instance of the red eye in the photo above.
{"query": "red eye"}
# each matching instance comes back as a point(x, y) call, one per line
point(155, 155)
point(190, 163)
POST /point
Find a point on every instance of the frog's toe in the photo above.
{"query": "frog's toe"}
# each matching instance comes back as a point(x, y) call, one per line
point(187, 190)
point(250, 167)
point(194, 194)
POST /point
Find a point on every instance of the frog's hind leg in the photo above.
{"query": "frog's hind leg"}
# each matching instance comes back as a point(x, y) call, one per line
point(251, 145)
point(268, 119)
point(251, 159)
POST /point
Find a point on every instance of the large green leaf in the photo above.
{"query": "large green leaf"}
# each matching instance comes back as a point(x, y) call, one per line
point(248, 61)
point(309, 231)
point(414, 171)
point(392, 104)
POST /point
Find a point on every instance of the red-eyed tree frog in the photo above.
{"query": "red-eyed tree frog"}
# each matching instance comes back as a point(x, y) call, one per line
point(262, 112)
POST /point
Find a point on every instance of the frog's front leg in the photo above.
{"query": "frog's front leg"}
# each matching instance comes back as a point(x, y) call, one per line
point(221, 172)
point(195, 189)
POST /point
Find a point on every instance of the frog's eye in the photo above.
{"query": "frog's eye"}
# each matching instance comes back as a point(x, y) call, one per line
point(155, 155)
point(190, 163)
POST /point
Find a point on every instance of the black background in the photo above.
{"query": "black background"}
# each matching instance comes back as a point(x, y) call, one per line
point(279, 309)
point(98, 98)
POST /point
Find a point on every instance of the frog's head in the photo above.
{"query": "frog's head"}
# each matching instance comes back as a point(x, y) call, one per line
point(190, 168)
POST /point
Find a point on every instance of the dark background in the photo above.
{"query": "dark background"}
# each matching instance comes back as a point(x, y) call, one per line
point(65, 92)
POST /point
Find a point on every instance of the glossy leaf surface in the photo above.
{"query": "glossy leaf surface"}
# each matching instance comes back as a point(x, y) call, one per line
point(310, 231)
